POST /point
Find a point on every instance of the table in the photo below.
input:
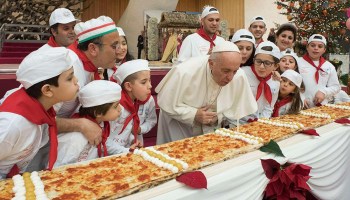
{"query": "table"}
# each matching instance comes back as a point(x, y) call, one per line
point(243, 177)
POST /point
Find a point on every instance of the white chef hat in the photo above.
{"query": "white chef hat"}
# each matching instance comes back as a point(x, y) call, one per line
point(275, 52)
point(120, 31)
point(94, 28)
point(42, 65)
point(317, 38)
point(61, 16)
point(207, 10)
point(258, 19)
point(129, 68)
point(293, 76)
point(225, 46)
point(290, 52)
point(99, 92)
point(243, 35)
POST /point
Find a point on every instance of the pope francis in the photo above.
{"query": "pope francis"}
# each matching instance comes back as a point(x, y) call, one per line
point(198, 94)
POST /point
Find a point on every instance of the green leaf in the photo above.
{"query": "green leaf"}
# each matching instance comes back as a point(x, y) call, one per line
point(272, 147)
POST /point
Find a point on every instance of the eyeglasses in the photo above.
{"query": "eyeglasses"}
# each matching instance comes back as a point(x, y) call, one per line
point(267, 63)
point(114, 46)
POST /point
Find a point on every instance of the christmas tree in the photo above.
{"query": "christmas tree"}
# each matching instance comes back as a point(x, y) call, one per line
point(318, 16)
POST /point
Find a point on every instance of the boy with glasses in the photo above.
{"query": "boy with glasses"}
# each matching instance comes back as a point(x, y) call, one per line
point(264, 87)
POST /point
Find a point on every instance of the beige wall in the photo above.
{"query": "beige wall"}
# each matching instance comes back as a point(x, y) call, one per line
point(230, 10)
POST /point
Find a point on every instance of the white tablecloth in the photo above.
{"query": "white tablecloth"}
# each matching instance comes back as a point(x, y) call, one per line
point(243, 177)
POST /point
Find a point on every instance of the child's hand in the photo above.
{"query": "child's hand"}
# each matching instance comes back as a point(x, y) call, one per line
point(136, 144)
point(138, 130)
point(319, 97)
point(276, 76)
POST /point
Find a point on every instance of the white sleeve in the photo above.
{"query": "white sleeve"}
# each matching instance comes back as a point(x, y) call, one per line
point(7, 145)
point(185, 50)
point(267, 111)
point(70, 148)
point(333, 85)
point(151, 117)
point(115, 148)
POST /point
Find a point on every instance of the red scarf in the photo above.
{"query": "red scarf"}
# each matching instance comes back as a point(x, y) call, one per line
point(205, 36)
point(318, 68)
point(88, 65)
point(263, 85)
point(133, 108)
point(279, 104)
point(105, 134)
point(52, 42)
point(30, 108)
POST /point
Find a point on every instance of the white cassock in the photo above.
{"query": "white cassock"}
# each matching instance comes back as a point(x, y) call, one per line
point(188, 87)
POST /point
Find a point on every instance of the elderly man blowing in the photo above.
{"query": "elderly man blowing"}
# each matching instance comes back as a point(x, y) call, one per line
point(197, 95)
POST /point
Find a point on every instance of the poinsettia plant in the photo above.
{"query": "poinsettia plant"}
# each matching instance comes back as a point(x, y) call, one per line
point(288, 181)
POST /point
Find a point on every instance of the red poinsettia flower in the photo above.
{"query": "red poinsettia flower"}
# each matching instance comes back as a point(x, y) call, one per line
point(287, 181)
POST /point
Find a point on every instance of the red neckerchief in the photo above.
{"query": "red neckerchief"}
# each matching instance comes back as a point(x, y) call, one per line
point(318, 68)
point(88, 65)
point(52, 42)
point(263, 85)
point(205, 36)
point(260, 41)
point(105, 134)
point(279, 104)
point(133, 108)
point(30, 108)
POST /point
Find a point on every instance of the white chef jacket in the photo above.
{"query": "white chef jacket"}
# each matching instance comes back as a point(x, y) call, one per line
point(194, 45)
point(20, 140)
point(120, 143)
point(265, 109)
point(328, 82)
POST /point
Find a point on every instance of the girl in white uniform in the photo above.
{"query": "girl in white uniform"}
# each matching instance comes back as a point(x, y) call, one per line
point(138, 107)
point(28, 112)
point(264, 88)
point(289, 100)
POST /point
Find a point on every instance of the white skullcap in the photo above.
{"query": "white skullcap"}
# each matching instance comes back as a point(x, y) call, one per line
point(243, 35)
point(290, 52)
point(61, 16)
point(317, 38)
point(99, 92)
point(120, 31)
point(275, 52)
point(39, 66)
point(207, 10)
point(293, 76)
point(129, 68)
point(257, 19)
point(94, 28)
point(225, 46)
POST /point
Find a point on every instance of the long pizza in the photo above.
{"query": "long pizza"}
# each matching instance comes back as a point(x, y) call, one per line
point(119, 175)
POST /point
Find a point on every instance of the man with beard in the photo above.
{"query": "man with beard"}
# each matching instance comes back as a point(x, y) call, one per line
point(258, 28)
point(62, 22)
point(203, 41)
